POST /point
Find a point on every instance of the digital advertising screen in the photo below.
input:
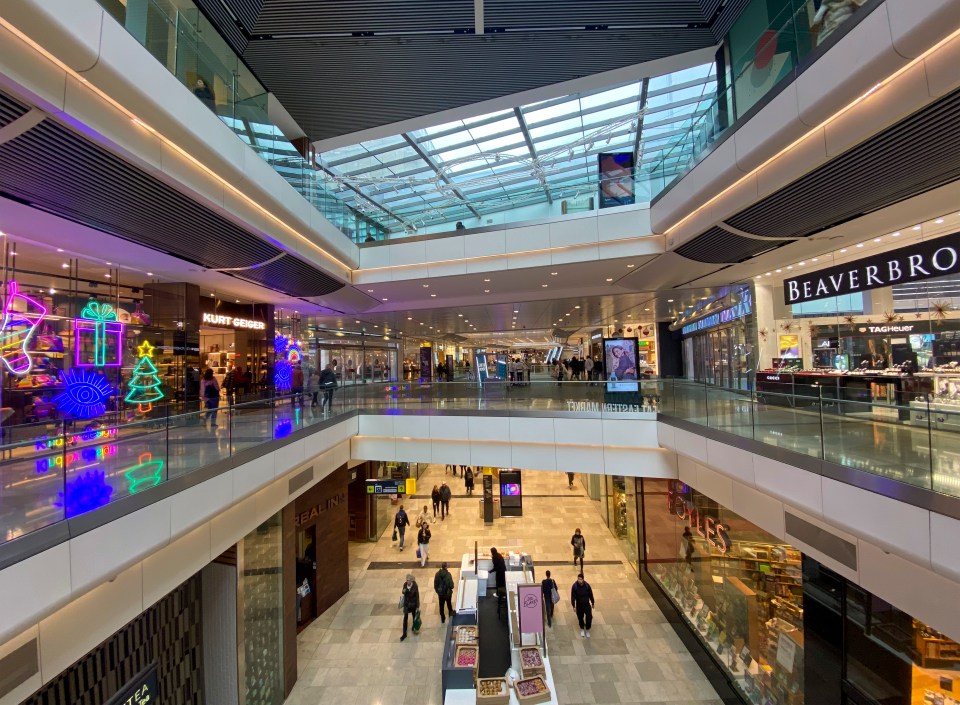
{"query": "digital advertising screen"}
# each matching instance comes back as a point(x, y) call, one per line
point(616, 179)
point(511, 494)
point(620, 364)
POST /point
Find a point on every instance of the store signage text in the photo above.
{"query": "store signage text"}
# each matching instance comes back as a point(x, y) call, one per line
point(141, 690)
point(58, 442)
point(92, 454)
point(727, 315)
point(597, 406)
point(308, 516)
point(214, 319)
point(926, 260)
point(706, 526)
point(887, 329)
point(391, 487)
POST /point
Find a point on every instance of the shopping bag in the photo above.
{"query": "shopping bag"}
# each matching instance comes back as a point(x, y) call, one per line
point(555, 596)
point(417, 622)
point(418, 553)
point(394, 537)
point(400, 604)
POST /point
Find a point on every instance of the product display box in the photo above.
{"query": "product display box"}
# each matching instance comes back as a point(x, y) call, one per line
point(467, 636)
point(531, 661)
point(492, 691)
point(532, 690)
point(467, 657)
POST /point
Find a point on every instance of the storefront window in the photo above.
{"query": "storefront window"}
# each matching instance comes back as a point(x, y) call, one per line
point(620, 513)
point(738, 587)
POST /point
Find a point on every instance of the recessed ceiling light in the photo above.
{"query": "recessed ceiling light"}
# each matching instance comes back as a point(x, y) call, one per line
point(576, 307)
point(433, 296)
point(669, 301)
point(516, 311)
point(778, 271)
point(938, 221)
point(916, 227)
point(896, 234)
point(486, 280)
point(212, 294)
point(109, 263)
point(369, 291)
point(544, 286)
point(460, 315)
point(843, 250)
point(65, 265)
point(52, 290)
point(426, 286)
point(646, 309)
point(609, 279)
point(629, 315)
point(149, 274)
point(59, 249)
point(802, 263)
point(631, 266)
point(876, 239)
point(789, 266)
point(386, 299)
point(237, 301)
point(409, 318)
point(554, 273)
point(356, 321)
point(422, 323)
point(859, 244)
point(107, 276)
point(814, 259)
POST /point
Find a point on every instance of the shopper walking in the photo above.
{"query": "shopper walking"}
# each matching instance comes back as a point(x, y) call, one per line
point(579, 544)
point(400, 522)
point(313, 388)
point(296, 386)
point(468, 481)
point(410, 601)
point(581, 597)
point(499, 570)
point(688, 547)
point(435, 498)
point(423, 544)
point(327, 383)
point(558, 372)
point(588, 369)
point(443, 586)
point(423, 518)
point(210, 393)
point(551, 596)
point(445, 495)
point(570, 478)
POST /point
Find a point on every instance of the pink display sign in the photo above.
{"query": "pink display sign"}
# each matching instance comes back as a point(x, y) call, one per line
point(530, 606)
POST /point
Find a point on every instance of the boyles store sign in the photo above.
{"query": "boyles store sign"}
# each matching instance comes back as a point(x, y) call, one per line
point(925, 260)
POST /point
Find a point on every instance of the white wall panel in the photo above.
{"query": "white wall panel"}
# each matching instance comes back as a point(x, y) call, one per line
point(805, 156)
point(894, 525)
point(196, 504)
point(362, 448)
point(485, 244)
point(709, 176)
point(529, 259)
point(731, 460)
point(687, 470)
point(775, 126)
point(666, 436)
point(534, 457)
point(637, 462)
point(380, 425)
point(288, 456)
point(763, 510)
point(945, 545)
point(456, 452)
point(916, 25)
point(414, 450)
point(232, 523)
point(81, 625)
point(691, 444)
point(412, 426)
point(800, 488)
point(251, 476)
point(98, 554)
point(623, 222)
point(447, 269)
point(72, 27)
point(166, 568)
point(579, 431)
point(30, 587)
point(371, 257)
point(714, 484)
point(452, 428)
point(531, 237)
point(579, 458)
point(531, 430)
point(499, 455)
point(408, 253)
point(577, 253)
point(489, 428)
point(942, 76)
point(630, 434)
point(575, 231)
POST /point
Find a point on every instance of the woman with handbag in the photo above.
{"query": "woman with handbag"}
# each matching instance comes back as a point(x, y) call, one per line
point(410, 602)
point(551, 596)
point(423, 539)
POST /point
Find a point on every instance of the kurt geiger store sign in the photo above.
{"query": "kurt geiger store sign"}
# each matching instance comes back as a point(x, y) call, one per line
point(925, 260)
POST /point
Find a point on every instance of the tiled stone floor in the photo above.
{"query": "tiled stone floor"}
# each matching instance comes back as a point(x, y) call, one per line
point(352, 654)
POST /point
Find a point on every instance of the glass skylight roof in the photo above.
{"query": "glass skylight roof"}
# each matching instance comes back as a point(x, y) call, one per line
point(532, 154)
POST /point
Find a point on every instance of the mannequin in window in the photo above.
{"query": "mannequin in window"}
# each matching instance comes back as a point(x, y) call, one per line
point(832, 14)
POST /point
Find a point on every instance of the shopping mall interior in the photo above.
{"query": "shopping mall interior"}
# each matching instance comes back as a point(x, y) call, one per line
point(340, 340)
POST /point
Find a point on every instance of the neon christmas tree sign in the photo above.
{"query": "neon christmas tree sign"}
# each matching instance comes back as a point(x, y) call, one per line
point(97, 328)
point(145, 474)
point(18, 328)
point(144, 386)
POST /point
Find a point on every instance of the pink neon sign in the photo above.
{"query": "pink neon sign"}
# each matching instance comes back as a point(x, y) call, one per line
point(18, 329)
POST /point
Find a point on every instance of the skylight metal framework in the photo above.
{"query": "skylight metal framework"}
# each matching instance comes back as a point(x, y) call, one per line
point(527, 155)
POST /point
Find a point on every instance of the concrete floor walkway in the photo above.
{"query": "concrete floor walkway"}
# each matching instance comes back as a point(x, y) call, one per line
point(352, 654)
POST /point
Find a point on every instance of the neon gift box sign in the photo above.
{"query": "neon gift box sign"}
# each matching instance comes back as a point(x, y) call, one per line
point(98, 331)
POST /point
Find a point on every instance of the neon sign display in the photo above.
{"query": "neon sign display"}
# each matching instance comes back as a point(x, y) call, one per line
point(214, 319)
point(91, 435)
point(144, 385)
point(93, 454)
point(85, 393)
point(98, 325)
point(145, 474)
point(85, 493)
point(17, 330)
point(707, 527)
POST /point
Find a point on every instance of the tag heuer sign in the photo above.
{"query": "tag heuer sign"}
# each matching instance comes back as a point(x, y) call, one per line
point(925, 260)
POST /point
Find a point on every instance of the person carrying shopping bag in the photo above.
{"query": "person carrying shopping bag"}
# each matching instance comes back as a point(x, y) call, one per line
point(410, 603)
point(423, 544)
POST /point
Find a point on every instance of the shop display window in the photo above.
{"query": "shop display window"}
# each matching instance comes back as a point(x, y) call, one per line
point(738, 588)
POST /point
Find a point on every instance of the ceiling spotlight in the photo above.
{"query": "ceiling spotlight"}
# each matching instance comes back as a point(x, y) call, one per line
point(149, 274)
point(576, 307)
point(516, 311)
point(814, 259)
point(896, 234)
point(544, 285)
point(59, 249)
point(631, 266)
point(426, 286)
point(65, 265)
point(109, 263)
point(386, 299)
point(646, 309)
point(459, 315)
point(859, 244)
point(938, 221)
point(369, 291)
point(843, 250)
point(107, 276)
point(421, 323)
point(553, 274)
point(876, 239)
point(52, 290)
point(609, 279)
point(669, 301)
point(433, 296)
point(778, 271)
point(409, 318)
point(801, 263)
point(486, 291)
point(486, 280)
point(237, 301)
point(916, 227)
point(789, 266)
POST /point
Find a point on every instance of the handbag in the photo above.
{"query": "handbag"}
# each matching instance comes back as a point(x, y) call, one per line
point(555, 595)
point(417, 622)
point(400, 604)
point(394, 537)
point(418, 553)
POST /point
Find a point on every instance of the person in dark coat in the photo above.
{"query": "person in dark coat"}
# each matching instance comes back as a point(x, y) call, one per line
point(443, 586)
point(445, 495)
point(202, 90)
point(547, 586)
point(499, 570)
point(401, 521)
point(435, 498)
point(411, 601)
point(468, 481)
point(581, 597)
point(327, 383)
point(579, 544)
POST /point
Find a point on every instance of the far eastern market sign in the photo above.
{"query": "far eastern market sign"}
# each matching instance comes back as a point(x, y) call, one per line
point(925, 260)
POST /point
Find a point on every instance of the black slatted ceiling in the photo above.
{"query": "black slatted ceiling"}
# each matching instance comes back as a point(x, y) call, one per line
point(379, 80)
point(718, 246)
point(918, 154)
point(10, 110)
point(567, 13)
point(727, 16)
point(217, 13)
point(57, 170)
point(348, 16)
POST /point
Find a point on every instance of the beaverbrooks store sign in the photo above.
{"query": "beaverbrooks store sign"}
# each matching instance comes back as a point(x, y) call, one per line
point(925, 260)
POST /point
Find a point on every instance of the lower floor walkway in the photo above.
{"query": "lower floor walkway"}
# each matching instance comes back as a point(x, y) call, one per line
point(352, 654)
